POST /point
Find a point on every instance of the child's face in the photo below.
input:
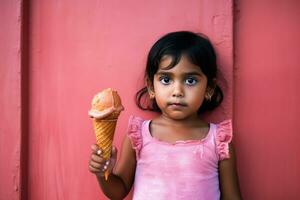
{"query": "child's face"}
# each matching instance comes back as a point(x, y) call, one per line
point(179, 91)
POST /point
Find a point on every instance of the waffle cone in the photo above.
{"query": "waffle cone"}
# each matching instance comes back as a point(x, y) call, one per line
point(104, 130)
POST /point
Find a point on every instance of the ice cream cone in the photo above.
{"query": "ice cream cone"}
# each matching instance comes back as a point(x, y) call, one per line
point(104, 130)
point(107, 106)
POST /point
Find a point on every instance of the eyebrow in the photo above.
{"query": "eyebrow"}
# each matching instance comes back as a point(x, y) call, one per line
point(195, 73)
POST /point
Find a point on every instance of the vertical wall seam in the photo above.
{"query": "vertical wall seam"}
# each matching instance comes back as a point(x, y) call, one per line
point(235, 12)
point(24, 146)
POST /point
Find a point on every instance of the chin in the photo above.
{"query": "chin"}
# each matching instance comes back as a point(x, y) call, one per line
point(177, 116)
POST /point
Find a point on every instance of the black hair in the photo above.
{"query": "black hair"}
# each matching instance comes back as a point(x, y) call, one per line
point(198, 49)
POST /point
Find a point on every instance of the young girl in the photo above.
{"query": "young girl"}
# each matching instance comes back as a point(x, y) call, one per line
point(176, 155)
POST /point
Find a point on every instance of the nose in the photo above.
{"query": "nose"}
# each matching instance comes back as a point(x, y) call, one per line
point(178, 90)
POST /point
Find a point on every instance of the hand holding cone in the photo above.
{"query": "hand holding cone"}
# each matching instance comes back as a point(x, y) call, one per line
point(106, 108)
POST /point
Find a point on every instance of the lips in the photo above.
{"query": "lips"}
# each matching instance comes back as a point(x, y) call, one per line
point(177, 104)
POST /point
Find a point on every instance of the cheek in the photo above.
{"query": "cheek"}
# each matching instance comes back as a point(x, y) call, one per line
point(197, 97)
point(159, 89)
point(159, 96)
point(156, 85)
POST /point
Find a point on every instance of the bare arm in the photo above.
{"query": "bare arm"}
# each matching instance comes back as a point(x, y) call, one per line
point(228, 177)
point(119, 182)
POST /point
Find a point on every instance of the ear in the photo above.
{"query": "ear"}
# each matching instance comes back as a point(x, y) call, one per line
point(210, 89)
point(150, 88)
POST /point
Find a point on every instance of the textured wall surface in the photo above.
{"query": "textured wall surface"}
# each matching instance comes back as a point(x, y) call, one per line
point(78, 48)
point(10, 99)
point(58, 54)
point(266, 98)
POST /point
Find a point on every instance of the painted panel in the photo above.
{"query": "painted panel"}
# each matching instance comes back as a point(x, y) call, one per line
point(75, 47)
point(10, 99)
point(79, 47)
point(266, 101)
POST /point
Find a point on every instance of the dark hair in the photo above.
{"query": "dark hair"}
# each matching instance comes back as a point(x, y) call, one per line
point(198, 50)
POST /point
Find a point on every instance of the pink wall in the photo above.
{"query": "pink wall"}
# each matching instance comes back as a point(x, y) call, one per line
point(77, 49)
point(10, 99)
point(266, 100)
point(72, 49)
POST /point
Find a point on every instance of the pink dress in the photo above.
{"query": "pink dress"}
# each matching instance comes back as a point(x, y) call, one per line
point(185, 170)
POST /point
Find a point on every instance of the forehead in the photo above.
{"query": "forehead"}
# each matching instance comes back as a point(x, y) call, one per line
point(184, 65)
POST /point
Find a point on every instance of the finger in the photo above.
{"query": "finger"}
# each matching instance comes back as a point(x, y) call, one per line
point(94, 170)
point(95, 148)
point(107, 163)
point(110, 165)
point(114, 152)
point(96, 165)
point(104, 168)
point(111, 162)
point(97, 159)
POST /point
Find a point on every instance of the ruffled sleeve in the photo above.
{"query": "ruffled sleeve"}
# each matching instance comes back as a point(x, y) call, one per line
point(134, 132)
point(223, 138)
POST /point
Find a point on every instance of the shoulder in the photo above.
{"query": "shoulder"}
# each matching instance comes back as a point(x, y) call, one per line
point(134, 123)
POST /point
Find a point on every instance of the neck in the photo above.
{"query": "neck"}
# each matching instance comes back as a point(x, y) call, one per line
point(189, 121)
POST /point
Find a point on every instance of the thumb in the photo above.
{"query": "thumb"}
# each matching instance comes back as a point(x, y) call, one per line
point(113, 159)
point(114, 152)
